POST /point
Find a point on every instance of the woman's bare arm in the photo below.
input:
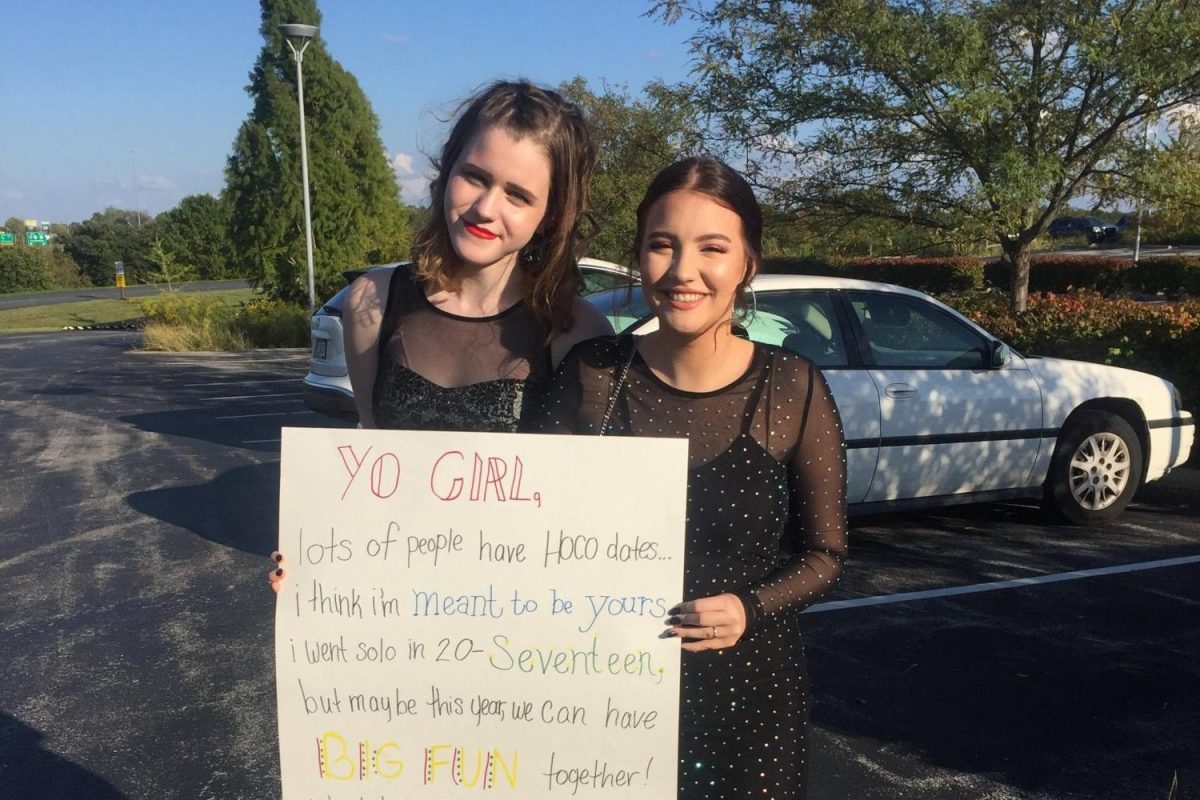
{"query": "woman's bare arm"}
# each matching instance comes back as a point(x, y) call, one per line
point(589, 323)
point(362, 317)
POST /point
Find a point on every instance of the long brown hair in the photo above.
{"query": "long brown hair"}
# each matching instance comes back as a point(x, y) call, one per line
point(523, 110)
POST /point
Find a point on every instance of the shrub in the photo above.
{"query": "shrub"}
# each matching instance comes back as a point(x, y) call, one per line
point(177, 308)
point(799, 265)
point(272, 323)
point(1053, 273)
point(1160, 338)
point(177, 321)
point(22, 269)
point(949, 274)
point(1170, 274)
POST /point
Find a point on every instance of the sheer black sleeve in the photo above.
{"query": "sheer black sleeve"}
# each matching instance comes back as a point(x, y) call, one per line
point(582, 387)
point(816, 470)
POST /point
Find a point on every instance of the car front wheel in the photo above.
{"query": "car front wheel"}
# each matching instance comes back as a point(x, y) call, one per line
point(1096, 468)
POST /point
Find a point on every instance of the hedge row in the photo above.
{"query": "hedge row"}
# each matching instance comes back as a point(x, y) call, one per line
point(1159, 338)
point(1171, 275)
point(949, 274)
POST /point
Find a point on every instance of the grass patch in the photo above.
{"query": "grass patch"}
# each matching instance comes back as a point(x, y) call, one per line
point(178, 322)
point(36, 319)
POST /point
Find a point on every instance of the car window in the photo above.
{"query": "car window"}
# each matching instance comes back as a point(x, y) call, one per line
point(596, 280)
point(801, 321)
point(905, 331)
point(622, 306)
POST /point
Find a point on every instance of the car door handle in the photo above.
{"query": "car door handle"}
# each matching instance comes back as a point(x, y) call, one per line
point(900, 391)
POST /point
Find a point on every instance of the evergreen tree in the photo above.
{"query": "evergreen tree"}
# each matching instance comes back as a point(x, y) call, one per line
point(196, 234)
point(357, 217)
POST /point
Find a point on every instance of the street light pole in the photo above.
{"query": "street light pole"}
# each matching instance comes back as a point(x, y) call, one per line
point(1137, 242)
point(298, 37)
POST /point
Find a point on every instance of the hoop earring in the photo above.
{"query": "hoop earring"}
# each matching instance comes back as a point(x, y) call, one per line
point(748, 309)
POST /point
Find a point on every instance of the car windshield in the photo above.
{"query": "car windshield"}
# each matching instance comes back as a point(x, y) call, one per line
point(623, 306)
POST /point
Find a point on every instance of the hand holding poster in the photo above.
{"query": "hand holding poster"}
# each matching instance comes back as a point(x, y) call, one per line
point(478, 612)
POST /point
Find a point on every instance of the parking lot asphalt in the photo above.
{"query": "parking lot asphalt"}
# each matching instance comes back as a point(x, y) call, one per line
point(970, 653)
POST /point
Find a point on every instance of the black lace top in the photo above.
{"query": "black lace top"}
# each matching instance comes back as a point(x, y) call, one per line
point(767, 468)
point(766, 520)
point(441, 371)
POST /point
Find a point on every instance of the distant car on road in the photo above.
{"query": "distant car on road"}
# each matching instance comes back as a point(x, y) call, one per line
point(1090, 228)
point(327, 385)
point(936, 410)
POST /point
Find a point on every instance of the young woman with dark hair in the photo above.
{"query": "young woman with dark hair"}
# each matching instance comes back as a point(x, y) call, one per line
point(766, 515)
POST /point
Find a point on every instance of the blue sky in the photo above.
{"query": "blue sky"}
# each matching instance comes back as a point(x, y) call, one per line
point(130, 103)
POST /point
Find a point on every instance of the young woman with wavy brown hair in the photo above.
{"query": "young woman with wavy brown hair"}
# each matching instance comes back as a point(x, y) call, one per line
point(466, 338)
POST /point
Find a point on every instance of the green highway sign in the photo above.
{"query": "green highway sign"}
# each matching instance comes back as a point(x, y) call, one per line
point(7, 238)
point(36, 239)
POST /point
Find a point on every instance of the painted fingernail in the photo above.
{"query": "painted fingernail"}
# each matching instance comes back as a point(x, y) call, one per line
point(277, 556)
point(668, 634)
point(673, 610)
point(673, 620)
point(275, 575)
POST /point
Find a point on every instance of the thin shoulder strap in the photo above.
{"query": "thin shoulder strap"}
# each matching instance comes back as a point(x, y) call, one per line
point(631, 346)
point(757, 392)
point(400, 280)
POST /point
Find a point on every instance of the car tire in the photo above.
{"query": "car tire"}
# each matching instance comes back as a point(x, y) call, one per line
point(1096, 468)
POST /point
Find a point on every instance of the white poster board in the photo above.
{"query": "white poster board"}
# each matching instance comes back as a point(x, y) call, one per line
point(478, 612)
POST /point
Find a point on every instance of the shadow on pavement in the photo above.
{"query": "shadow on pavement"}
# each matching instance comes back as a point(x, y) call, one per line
point(29, 770)
point(239, 508)
point(239, 433)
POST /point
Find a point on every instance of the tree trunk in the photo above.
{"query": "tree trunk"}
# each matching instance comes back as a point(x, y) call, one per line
point(1016, 252)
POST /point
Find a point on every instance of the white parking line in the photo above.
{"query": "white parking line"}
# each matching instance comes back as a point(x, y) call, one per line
point(1016, 583)
point(233, 383)
point(251, 396)
point(265, 414)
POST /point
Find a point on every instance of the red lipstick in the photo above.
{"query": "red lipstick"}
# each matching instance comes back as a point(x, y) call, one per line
point(478, 232)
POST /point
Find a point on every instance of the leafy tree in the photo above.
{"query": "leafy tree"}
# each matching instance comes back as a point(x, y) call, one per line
point(636, 137)
point(108, 236)
point(22, 269)
point(196, 234)
point(356, 212)
point(1170, 184)
point(981, 118)
point(168, 269)
point(16, 226)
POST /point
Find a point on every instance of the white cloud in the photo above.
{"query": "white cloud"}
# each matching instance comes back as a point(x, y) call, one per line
point(402, 163)
point(650, 54)
point(414, 191)
point(395, 38)
point(155, 183)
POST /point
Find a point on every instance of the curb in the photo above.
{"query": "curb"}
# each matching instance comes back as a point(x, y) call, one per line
point(127, 325)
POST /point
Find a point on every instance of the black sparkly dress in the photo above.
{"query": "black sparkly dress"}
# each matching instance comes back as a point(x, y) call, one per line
point(440, 371)
point(766, 520)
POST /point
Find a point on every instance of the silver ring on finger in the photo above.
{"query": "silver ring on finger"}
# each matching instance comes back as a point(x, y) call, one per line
point(712, 633)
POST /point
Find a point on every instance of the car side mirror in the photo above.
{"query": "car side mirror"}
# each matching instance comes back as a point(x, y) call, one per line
point(1000, 355)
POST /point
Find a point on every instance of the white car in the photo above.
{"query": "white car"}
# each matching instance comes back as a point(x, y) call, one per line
point(937, 411)
point(327, 384)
